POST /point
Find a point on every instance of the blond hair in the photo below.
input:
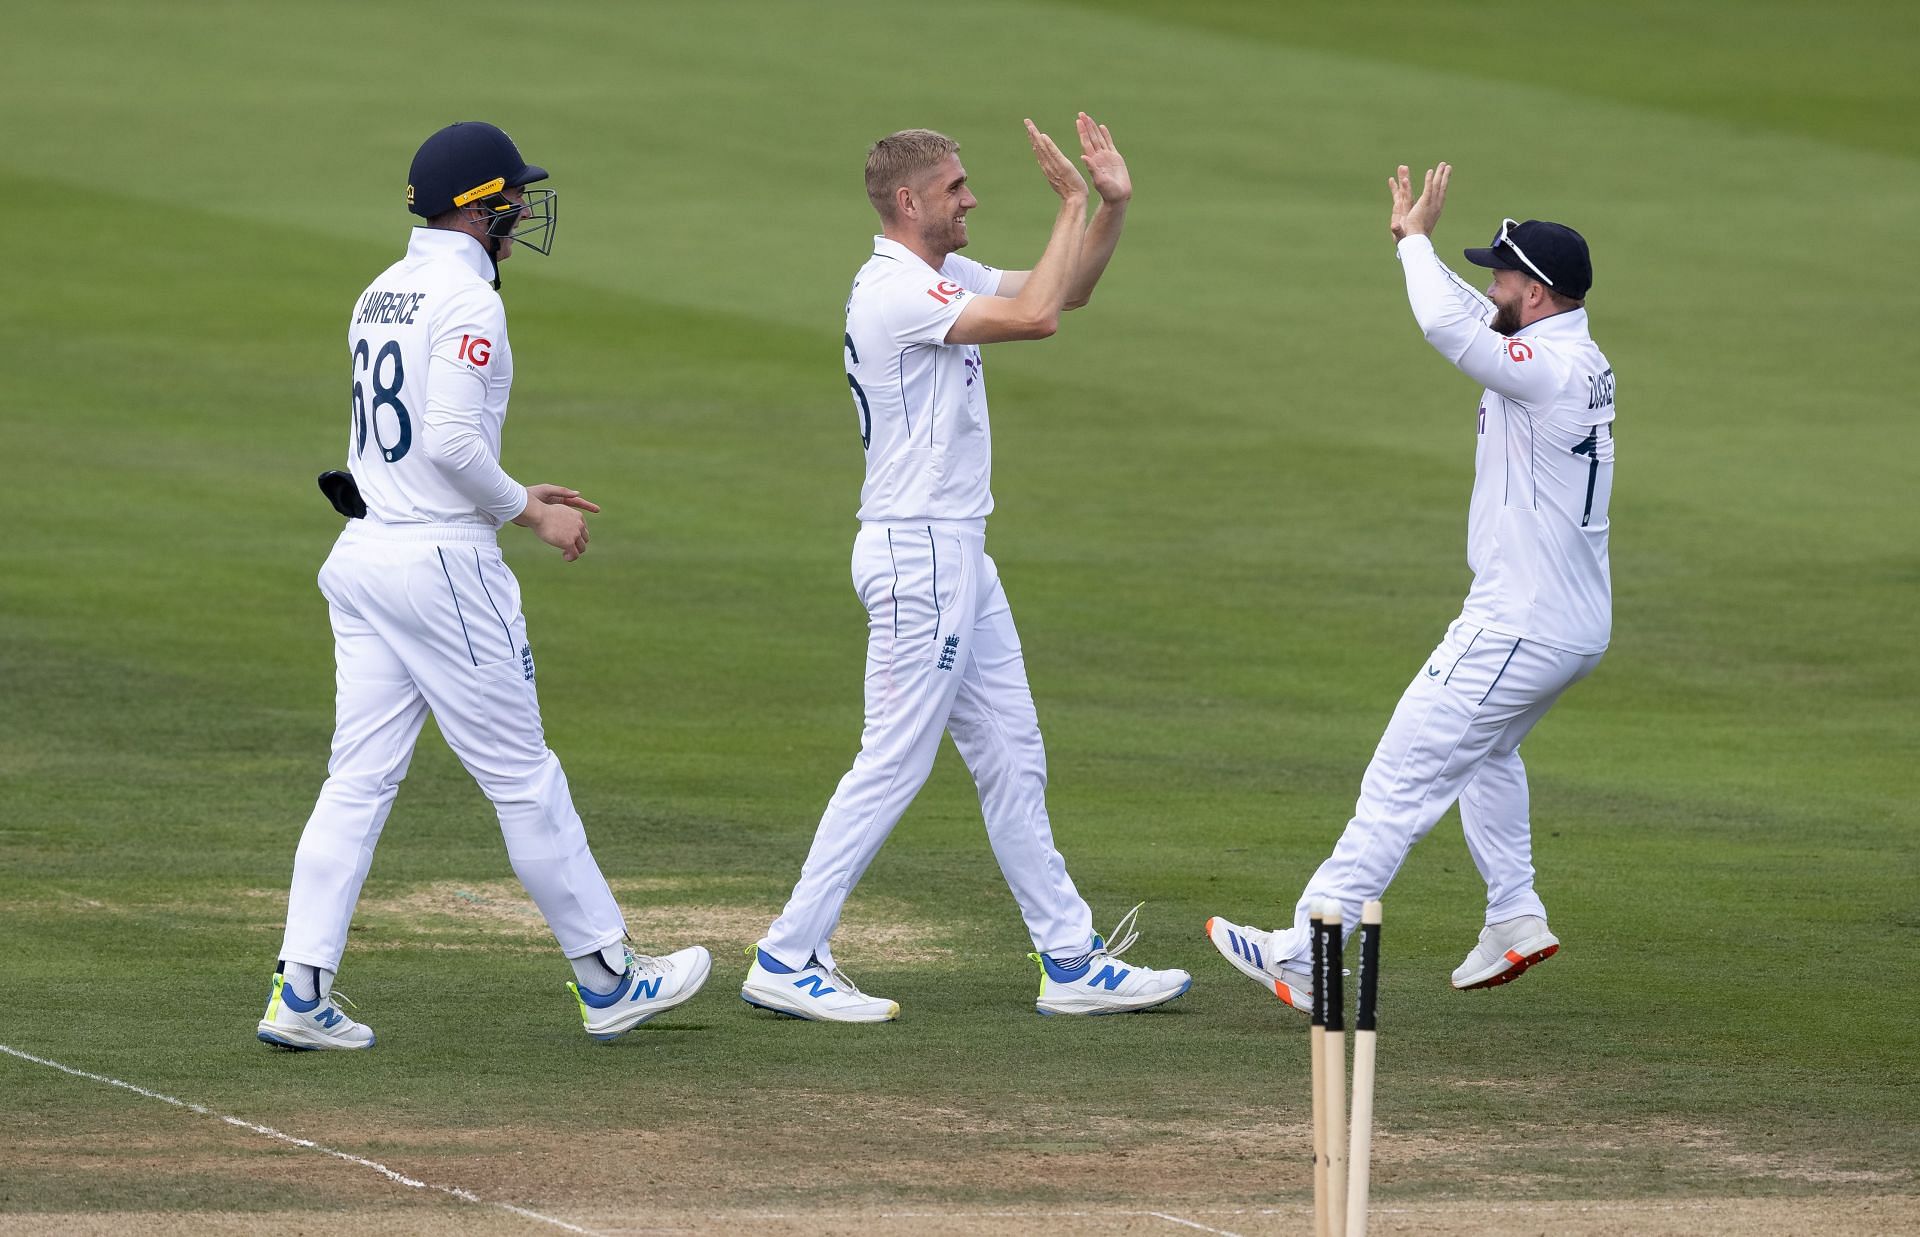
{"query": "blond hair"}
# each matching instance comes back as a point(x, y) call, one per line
point(898, 159)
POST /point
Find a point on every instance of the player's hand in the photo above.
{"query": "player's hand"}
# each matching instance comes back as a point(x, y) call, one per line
point(1105, 167)
point(1413, 217)
point(560, 495)
point(1061, 175)
point(553, 513)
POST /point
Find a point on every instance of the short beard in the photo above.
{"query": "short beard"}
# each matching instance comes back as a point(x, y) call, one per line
point(1506, 319)
point(944, 239)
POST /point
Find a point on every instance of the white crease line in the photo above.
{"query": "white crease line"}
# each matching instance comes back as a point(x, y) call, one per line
point(1035, 1215)
point(465, 1196)
point(1161, 1215)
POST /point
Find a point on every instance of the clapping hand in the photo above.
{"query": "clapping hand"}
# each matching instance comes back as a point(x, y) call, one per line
point(1104, 165)
point(1059, 170)
point(1417, 218)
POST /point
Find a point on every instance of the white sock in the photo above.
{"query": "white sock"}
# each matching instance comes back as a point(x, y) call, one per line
point(599, 972)
point(308, 982)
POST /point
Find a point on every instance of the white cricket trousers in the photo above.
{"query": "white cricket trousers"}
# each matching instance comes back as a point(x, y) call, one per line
point(1455, 735)
point(428, 618)
point(942, 656)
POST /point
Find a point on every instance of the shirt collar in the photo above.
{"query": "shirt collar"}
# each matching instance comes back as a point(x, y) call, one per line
point(1571, 323)
point(446, 243)
point(885, 248)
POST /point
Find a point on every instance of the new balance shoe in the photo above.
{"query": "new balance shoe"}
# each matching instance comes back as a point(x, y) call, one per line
point(649, 986)
point(1266, 958)
point(1101, 983)
point(1505, 952)
point(305, 1025)
point(815, 992)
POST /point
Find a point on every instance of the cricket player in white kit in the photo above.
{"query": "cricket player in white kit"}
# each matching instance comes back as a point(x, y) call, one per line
point(942, 652)
point(1536, 620)
point(426, 616)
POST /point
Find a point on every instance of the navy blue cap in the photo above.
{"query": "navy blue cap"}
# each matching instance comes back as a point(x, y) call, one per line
point(464, 163)
point(1552, 253)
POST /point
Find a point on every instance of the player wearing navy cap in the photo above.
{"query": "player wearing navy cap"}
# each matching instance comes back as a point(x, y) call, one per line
point(426, 616)
point(1539, 614)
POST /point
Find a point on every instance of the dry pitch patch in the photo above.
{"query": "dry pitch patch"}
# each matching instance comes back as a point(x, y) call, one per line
point(1707, 1217)
point(946, 1168)
point(838, 1162)
point(659, 915)
point(726, 914)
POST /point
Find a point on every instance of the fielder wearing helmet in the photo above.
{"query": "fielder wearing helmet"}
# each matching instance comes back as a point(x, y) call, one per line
point(426, 615)
point(470, 177)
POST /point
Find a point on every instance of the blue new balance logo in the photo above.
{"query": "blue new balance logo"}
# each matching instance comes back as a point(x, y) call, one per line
point(328, 1016)
point(1246, 949)
point(1108, 978)
point(814, 985)
point(649, 988)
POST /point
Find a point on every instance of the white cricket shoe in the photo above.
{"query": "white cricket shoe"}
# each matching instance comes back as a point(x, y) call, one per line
point(650, 986)
point(1106, 985)
point(1267, 958)
point(304, 1025)
point(1505, 952)
point(814, 992)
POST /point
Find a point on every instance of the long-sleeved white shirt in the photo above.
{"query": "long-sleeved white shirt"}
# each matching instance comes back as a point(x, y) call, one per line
point(1543, 467)
point(432, 371)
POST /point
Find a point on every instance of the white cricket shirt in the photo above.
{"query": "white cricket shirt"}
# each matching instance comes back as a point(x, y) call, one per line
point(1543, 469)
point(432, 370)
point(921, 403)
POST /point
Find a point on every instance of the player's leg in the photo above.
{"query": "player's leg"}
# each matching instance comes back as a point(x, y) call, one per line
point(1495, 805)
point(466, 643)
point(1444, 725)
point(997, 731)
point(1495, 819)
point(377, 717)
point(1451, 717)
point(919, 590)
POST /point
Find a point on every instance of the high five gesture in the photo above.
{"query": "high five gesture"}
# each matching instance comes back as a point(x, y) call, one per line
point(1417, 218)
point(1105, 167)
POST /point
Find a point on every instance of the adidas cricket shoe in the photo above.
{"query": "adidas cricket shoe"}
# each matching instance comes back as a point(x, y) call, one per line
point(649, 986)
point(1103, 984)
point(305, 1025)
point(1505, 952)
point(1266, 958)
point(814, 992)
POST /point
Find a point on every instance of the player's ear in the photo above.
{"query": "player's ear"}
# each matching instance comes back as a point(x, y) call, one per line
point(903, 204)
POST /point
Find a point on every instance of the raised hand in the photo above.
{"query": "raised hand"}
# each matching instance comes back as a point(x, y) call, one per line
point(1058, 169)
point(1104, 164)
point(1411, 217)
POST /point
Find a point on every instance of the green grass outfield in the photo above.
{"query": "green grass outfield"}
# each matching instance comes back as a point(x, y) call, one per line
point(1231, 513)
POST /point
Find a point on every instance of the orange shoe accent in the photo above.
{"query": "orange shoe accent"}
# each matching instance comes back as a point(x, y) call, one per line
point(1521, 962)
point(1209, 929)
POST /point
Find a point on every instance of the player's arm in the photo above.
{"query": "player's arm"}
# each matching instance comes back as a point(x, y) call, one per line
point(1034, 312)
point(465, 336)
point(456, 443)
point(1110, 179)
point(1451, 314)
point(1108, 172)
